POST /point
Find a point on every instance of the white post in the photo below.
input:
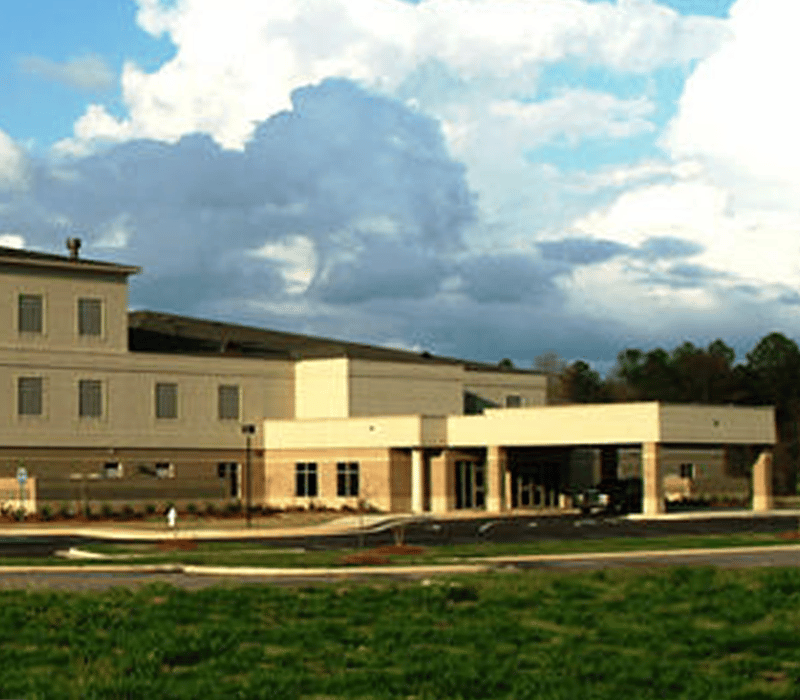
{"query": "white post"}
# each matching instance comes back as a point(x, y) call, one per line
point(417, 479)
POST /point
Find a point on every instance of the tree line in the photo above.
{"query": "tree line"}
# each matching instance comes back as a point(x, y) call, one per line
point(769, 375)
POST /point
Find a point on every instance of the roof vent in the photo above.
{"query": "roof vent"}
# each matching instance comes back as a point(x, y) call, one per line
point(73, 245)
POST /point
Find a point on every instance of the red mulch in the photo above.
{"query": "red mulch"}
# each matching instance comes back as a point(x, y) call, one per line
point(380, 555)
point(177, 545)
point(790, 535)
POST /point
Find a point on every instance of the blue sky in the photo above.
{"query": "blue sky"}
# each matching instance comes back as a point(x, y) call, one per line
point(482, 178)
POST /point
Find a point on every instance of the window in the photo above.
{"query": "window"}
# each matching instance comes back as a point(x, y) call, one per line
point(165, 470)
point(514, 401)
point(347, 479)
point(229, 471)
point(112, 470)
point(306, 479)
point(29, 396)
point(228, 403)
point(166, 400)
point(90, 317)
point(687, 471)
point(30, 314)
point(90, 398)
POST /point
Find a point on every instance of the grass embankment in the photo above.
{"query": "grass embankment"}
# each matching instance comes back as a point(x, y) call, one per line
point(667, 633)
point(254, 554)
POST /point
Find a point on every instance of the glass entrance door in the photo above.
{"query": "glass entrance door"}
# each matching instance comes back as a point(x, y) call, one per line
point(470, 484)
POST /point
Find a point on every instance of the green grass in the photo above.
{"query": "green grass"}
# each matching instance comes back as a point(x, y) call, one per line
point(667, 633)
point(258, 554)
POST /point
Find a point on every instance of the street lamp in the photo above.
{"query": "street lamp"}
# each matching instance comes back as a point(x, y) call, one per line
point(248, 429)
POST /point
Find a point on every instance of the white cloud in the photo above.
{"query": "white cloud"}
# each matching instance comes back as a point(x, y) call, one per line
point(12, 240)
point(89, 72)
point(237, 62)
point(739, 112)
point(14, 167)
point(296, 259)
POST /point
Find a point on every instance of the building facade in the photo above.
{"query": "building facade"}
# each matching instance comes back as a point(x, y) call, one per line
point(102, 405)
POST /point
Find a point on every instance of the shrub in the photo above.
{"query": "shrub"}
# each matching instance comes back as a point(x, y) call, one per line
point(65, 511)
point(107, 510)
point(87, 511)
point(150, 509)
point(128, 511)
point(234, 508)
point(47, 512)
point(19, 514)
point(191, 509)
point(210, 509)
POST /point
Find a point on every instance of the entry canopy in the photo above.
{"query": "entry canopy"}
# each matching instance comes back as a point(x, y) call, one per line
point(581, 424)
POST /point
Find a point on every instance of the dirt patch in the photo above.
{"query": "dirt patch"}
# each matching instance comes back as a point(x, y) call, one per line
point(398, 549)
point(380, 555)
point(177, 545)
point(790, 535)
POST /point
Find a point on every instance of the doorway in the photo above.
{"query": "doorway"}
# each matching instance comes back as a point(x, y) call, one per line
point(470, 484)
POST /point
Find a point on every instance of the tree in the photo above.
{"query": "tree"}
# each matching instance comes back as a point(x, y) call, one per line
point(581, 384)
point(552, 366)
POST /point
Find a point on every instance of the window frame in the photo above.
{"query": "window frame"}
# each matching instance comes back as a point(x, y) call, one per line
point(41, 313)
point(165, 407)
point(86, 328)
point(222, 401)
point(347, 479)
point(113, 470)
point(30, 378)
point(164, 470)
point(306, 480)
point(84, 400)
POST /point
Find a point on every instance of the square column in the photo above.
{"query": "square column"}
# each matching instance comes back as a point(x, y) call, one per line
point(652, 483)
point(762, 481)
point(417, 481)
point(442, 483)
point(496, 500)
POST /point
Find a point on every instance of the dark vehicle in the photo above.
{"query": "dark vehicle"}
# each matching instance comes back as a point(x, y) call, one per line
point(612, 497)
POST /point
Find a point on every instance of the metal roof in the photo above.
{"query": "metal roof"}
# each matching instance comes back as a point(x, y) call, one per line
point(30, 258)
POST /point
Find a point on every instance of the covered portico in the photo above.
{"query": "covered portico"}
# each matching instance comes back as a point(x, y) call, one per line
point(652, 426)
point(502, 458)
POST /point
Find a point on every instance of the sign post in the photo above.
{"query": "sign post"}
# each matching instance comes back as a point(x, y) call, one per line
point(22, 478)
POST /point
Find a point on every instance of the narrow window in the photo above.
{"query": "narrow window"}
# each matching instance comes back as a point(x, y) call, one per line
point(229, 472)
point(687, 471)
point(90, 398)
point(228, 402)
point(29, 396)
point(166, 400)
point(90, 317)
point(513, 401)
point(29, 318)
point(306, 479)
point(347, 479)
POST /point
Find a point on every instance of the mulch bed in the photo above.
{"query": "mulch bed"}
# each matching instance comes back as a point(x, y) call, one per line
point(380, 555)
point(177, 545)
point(790, 535)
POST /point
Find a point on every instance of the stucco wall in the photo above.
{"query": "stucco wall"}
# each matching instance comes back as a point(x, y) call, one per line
point(495, 387)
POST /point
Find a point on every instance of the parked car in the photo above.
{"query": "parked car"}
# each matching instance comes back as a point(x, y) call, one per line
point(611, 496)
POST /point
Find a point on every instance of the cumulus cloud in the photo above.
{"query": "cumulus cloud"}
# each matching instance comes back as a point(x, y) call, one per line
point(238, 62)
point(90, 72)
point(14, 165)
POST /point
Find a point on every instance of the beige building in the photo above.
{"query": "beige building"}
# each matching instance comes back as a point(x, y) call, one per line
point(102, 405)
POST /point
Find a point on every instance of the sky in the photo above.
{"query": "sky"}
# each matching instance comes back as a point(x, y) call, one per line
point(484, 179)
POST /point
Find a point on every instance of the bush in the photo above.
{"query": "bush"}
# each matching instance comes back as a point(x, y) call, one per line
point(150, 509)
point(128, 511)
point(191, 509)
point(211, 509)
point(87, 511)
point(19, 514)
point(107, 510)
point(47, 512)
point(234, 508)
point(65, 511)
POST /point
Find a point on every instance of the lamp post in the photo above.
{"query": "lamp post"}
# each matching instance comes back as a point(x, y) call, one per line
point(248, 429)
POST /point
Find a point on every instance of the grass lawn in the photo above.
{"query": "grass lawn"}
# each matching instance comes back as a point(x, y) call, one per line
point(255, 554)
point(664, 633)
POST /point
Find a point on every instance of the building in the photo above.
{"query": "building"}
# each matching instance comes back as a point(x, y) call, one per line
point(104, 405)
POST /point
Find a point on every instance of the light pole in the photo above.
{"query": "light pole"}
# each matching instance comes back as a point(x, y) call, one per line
point(248, 429)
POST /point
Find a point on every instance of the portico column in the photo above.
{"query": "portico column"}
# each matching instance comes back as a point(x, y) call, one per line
point(495, 479)
point(652, 485)
point(762, 481)
point(417, 481)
